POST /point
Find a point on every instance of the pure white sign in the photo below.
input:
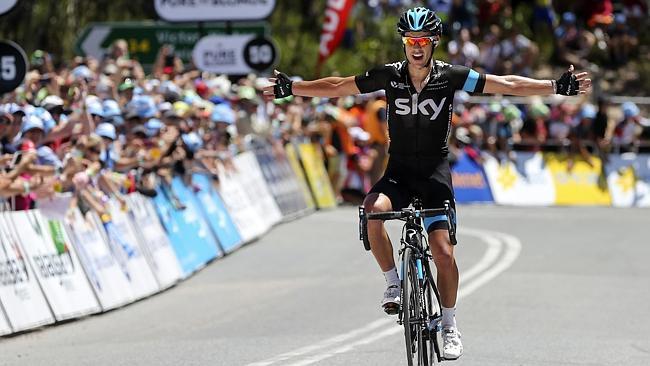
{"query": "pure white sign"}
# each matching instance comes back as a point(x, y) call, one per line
point(6, 5)
point(223, 54)
point(208, 10)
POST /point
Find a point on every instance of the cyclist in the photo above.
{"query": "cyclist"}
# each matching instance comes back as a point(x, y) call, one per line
point(420, 93)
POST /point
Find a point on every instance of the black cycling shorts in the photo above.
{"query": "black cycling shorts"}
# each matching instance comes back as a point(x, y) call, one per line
point(430, 181)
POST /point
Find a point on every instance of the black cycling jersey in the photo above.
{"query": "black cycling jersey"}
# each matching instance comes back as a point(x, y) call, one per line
point(419, 123)
point(418, 126)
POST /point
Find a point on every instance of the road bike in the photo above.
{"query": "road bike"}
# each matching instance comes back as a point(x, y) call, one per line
point(420, 312)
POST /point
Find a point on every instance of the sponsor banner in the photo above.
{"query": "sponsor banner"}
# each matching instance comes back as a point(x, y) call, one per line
point(583, 184)
point(294, 162)
point(234, 54)
point(642, 188)
point(336, 16)
point(524, 182)
point(249, 221)
point(622, 180)
point(256, 187)
point(190, 236)
point(175, 228)
point(123, 242)
point(207, 247)
point(55, 264)
point(195, 11)
point(4, 324)
point(153, 241)
point(109, 280)
point(274, 179)
point(312, 159)
point(469, 181)
point(216, 214)
point(281, 179)
point(20, 294)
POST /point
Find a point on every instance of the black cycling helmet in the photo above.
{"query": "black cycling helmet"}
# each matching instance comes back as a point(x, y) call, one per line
point(419, 20)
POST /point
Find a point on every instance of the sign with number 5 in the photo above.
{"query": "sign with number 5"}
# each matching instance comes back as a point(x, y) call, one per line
point(13, 66)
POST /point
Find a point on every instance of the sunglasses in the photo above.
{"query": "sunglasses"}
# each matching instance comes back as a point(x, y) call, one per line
point(422, 41)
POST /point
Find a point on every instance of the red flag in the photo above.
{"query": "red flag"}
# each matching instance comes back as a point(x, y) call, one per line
point(336, 16)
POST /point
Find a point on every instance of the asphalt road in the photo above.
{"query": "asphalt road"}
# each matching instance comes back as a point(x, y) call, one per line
point(551, 286)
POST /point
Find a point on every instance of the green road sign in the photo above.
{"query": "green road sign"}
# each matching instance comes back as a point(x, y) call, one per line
point(146, 38)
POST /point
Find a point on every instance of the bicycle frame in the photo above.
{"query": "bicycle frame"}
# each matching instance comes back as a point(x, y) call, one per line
point(413, 238)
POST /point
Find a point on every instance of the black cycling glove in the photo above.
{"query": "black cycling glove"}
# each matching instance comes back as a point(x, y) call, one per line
point(567, 84)
point(282, 88)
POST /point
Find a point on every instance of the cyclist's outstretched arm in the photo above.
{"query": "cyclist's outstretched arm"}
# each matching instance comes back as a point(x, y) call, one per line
point(328, 87)
point(567, 84)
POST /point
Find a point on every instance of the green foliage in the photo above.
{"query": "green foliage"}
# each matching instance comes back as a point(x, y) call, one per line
point(53, 25)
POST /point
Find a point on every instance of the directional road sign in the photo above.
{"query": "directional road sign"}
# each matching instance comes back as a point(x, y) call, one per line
point(146, 38)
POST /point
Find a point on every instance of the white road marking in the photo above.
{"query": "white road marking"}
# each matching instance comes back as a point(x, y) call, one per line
point(490, 255)
point(513, 248)
point(326, 343)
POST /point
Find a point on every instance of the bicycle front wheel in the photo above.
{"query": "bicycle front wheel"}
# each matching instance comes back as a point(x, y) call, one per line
point(412, 313)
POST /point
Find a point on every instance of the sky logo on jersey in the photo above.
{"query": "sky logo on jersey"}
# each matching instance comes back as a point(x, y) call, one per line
point(405, 106)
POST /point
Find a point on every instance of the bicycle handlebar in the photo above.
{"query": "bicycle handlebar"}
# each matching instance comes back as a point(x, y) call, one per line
point(399, 215)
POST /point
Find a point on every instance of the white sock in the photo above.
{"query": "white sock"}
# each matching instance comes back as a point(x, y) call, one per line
point(392, 279)
point(448, 318)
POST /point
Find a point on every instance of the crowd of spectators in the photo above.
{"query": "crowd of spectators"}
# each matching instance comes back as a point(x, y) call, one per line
point(103, 128)
point(519, 37)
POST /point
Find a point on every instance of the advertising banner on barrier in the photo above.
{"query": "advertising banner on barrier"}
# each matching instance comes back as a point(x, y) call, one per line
point(281, 179)
point(470, 182)
point(294, 162)
point(621, 179)
point(153, 241)
point(249, 221)
point(257, 189)
point(642, 170)
point(190, 236)
point(55, 264)
point(207, 247)
point(20, 294)
point(4, 324)
point(313, 161)
point(583, 184)
point(109, 280)
point(124, 244)
point(216, 214)
point(526, 183)
point(274, 179)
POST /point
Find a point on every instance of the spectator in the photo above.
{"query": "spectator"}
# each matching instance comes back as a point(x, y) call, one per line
point(490, 51)
point(518, 53)
point(573, 44)
point(600, 128)
point(463, 51)
point(623, 41)
point(462, 16)
point(628, 131)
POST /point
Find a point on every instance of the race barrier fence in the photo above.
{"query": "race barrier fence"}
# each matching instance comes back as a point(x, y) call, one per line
point(549, 179)
point(60, 263)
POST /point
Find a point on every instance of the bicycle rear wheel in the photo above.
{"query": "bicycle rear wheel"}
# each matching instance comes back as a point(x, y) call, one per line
point(413, 317)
